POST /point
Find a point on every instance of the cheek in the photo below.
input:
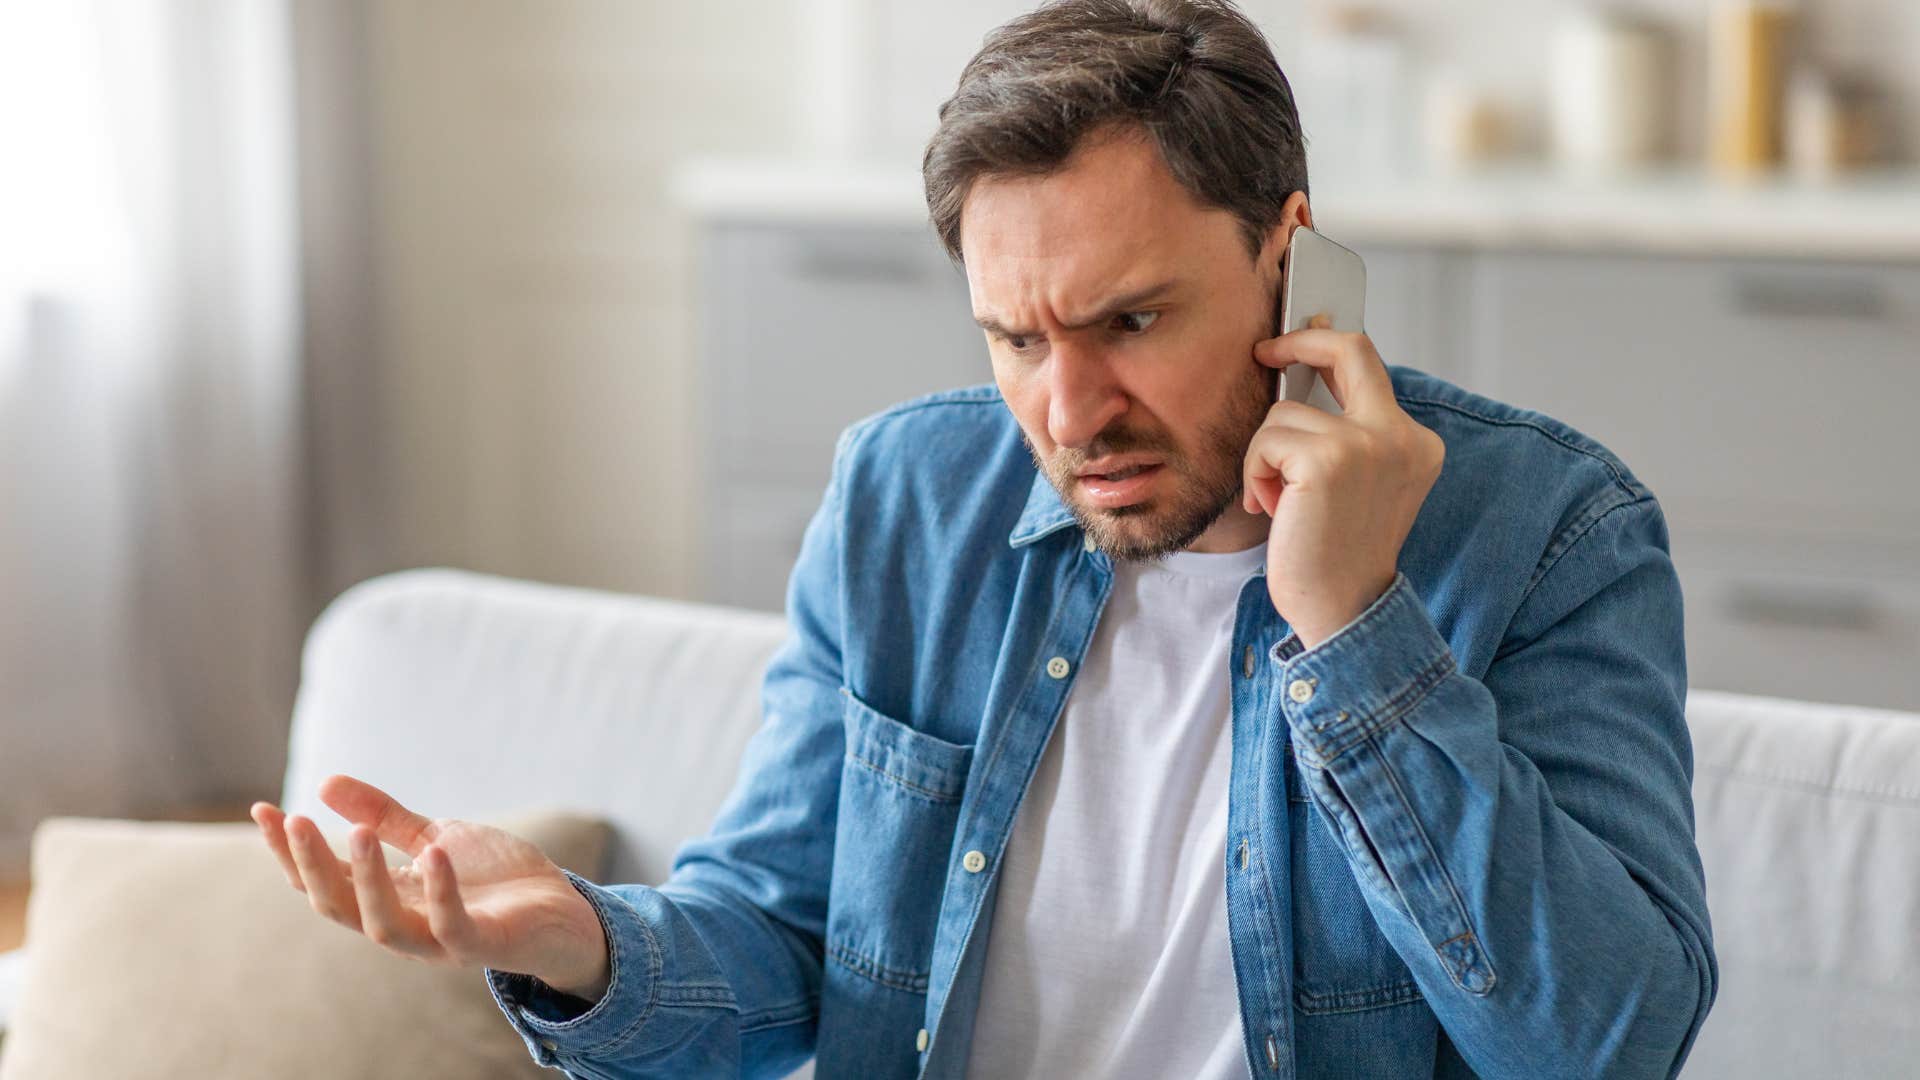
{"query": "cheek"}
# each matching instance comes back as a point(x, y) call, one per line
point(1027, 401)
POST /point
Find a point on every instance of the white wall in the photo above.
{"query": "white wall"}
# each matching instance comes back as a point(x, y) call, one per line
point(532, 287)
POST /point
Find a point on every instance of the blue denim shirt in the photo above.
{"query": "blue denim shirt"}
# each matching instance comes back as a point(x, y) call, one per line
point(1460, 830)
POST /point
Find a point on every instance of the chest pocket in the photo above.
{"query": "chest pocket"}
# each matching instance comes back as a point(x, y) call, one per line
point(1342, 962)
point(900, 792)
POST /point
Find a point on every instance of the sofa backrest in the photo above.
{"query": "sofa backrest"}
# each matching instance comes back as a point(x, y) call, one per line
point(1808, 819)
point(472, 696)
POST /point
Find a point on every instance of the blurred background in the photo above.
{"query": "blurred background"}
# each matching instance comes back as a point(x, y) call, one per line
point(294, 293)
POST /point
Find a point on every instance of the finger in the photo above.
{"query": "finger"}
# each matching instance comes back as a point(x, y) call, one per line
point(1352, 369)
point(383, 918)
point(364, 804)
point(1300, 416)
point(447, 913)
point(1287, 416)
point(273, 826)
point(328, 887)
point(1265, 470)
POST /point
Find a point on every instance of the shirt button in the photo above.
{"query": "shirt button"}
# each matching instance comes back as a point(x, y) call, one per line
point(974, 862)
point(1246, 663)
point(1243, 854)
point(920, 1041)
point(1273, 1053)
point(547, 1045)
point(1087, 542)
point(1058, 667)
point(1300, 690)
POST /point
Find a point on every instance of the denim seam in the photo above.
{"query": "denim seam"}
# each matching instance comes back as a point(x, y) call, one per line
point(1632, 487)
point(1268, 958)
point(926, 793)
point(866, 966)
point(774, 1016)
point(1384, 996)
point(1440, 866)
point(993, 757)
point(1574, 534)
point(1403, 701)
point(1029, 681)
point(655, 964)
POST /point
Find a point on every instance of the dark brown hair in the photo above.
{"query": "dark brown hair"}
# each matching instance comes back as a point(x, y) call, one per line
point(1196, 75)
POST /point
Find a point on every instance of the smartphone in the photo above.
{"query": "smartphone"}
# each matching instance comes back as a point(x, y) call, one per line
point(1321, 278)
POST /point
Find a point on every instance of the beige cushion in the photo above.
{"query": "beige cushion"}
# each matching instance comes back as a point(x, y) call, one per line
point(178, 950)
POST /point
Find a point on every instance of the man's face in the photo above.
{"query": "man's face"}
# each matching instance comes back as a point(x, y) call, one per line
point(1121, 316)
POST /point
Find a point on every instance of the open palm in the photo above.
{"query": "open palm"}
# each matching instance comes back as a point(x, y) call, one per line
point(508, 907)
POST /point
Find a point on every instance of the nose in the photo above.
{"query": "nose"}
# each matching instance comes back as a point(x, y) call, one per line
point(1082, 397)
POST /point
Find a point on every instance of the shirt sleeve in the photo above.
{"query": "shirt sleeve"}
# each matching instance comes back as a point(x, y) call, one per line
point(1525, 840)
point(717, 971)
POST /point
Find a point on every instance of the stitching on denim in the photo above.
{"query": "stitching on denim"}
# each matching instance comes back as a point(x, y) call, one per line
point(1517, 421)
point(1553, 558)
point(1446, 876)
point(1352, 1001)
point(698, 996)
point(655, 964)
point(1030, 682)
point(927, 793)
point(780, 1015)
point(1269, 960)
point(1399, 705)
point(859, 964)
point(999, 747)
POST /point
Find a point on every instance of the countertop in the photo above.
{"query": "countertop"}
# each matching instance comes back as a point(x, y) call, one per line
point(1871, 215)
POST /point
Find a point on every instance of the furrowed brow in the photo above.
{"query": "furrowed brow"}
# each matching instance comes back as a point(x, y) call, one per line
point(1119, 305)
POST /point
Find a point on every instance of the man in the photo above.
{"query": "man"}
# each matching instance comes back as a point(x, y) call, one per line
point(1131, 724)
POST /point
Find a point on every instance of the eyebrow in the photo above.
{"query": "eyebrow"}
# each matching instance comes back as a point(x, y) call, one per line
point(1119, 305)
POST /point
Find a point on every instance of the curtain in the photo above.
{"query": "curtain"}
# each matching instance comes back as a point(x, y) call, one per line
point(152, 579)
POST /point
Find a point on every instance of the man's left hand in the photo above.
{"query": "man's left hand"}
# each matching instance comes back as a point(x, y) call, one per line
point(1343, 491)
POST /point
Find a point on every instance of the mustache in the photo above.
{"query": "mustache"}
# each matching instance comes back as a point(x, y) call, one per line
point(1107, 444)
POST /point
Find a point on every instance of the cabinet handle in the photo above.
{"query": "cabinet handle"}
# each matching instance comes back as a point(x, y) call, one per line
point(858, 267)
point(1809, 298)
point(1805, 607)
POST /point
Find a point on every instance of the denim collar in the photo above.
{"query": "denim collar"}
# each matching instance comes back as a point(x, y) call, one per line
point(1044, 515)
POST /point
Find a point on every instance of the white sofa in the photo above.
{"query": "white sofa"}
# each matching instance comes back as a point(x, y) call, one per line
point(470, 696)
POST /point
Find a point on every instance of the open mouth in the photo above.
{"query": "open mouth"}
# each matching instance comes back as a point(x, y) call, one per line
point(1122, 487)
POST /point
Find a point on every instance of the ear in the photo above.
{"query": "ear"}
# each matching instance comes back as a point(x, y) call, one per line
point(1293, 213)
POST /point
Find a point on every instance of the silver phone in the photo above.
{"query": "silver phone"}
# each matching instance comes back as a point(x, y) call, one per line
point(1322, 278)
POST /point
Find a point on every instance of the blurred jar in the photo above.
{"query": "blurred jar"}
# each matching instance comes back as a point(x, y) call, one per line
point(1466, 127)
point(1612, 90)
point(1353, 99)
point(1749, 47)
point(1830, 124)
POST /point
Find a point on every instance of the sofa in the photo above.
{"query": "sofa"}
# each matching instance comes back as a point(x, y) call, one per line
point(470, 696)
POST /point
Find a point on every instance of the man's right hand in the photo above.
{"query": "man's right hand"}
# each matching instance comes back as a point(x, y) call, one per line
point(509, 907)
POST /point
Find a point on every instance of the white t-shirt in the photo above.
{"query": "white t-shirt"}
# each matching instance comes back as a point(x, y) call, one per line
point(1109, 954)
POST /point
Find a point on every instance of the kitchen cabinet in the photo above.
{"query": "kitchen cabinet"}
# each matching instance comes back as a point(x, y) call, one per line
point(1764, 401)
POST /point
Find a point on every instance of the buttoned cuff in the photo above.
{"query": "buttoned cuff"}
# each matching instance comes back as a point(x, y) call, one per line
point(1362, 678)
point(553, 1023)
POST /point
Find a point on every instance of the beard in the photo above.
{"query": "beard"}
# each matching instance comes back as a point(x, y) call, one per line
point(1192, 492)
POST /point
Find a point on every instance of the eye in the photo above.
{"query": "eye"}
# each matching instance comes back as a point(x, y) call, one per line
point(1135, 322)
